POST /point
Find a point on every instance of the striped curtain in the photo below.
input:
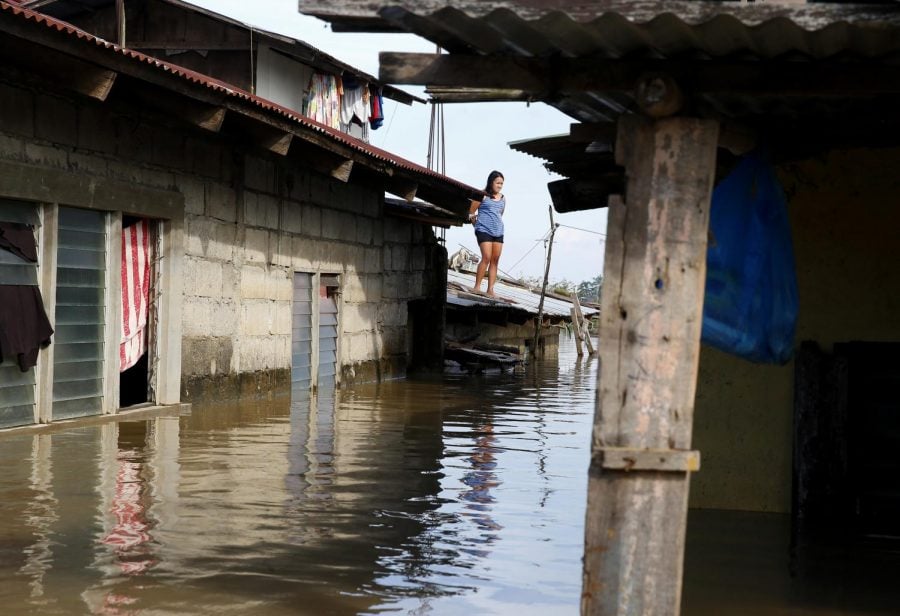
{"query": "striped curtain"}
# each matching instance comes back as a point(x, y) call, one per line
point(135, 293)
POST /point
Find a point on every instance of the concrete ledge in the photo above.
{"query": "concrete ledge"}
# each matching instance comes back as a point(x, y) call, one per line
point(135, 413)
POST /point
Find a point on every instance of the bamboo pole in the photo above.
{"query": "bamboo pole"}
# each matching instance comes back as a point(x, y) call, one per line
point(540, 314)
point(120, 22)
point(576, 325)
point(582, 325)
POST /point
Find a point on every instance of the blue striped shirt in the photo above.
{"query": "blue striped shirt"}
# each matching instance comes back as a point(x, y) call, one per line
point(489, 216)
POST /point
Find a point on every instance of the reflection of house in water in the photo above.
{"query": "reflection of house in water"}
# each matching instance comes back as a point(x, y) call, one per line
point(247, 204)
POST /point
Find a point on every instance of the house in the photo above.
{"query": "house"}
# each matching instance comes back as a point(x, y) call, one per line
point(275, 67)
point(255, 241)
point(667, 96)
point(508, 320)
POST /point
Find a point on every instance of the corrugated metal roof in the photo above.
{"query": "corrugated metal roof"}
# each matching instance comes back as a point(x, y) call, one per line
point(65, 29)
point(689, 31)
point(510, 296)
point(67, 9)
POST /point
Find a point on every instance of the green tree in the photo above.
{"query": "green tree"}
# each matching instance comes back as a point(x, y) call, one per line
point(589, 290)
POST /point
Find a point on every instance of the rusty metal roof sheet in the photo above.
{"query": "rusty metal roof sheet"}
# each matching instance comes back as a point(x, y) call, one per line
point(66, 9)
point(8, 11)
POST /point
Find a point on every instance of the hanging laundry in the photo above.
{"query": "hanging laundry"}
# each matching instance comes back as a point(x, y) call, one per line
point(354, 102)
point(24, 326)
point(135, 293)
point(323, 100)
point(376, 119)
point(19, 240)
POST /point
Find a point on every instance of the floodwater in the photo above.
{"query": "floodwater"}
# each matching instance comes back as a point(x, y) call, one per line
point(456, 495)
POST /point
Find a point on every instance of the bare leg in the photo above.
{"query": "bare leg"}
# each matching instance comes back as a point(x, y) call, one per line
point(497, 248)
point(486, 250)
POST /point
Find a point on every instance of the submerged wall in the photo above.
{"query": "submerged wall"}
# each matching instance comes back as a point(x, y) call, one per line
point(844, 216)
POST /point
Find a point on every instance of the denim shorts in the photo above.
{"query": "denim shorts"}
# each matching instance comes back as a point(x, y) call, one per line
point(482, 237)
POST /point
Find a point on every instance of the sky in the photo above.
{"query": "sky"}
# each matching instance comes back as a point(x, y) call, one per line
point(476, 142)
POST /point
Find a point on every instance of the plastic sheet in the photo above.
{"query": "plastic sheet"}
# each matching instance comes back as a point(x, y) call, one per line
point(751, 301)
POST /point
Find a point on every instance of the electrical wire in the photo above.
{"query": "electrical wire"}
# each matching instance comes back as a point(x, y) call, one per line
point(536, 244)
point(585, 230)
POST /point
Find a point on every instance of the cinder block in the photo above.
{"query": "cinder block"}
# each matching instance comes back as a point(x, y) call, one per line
point(202, 278)
point(203, 158)
point(46, 155)
point(281, 283)
point(378, 232)
point(281, 250)
point(364, 230)
point(221, 202)
point(196, 317)
point(194, 193)
point(95, 130)
point(261, 210)
point(55, 120)
point(155, 178)
point(256, 245)
point(259, 174)
point(321, 190)
point(373, 285)
point(254, 282)
point(224, 315)
point(359, 348)
point(399, 258)
point(11, 148)
point(359, 317)
point(291, 219)
point(416, 285)
point(257, 317)
point(331, 225)
point(311, 215)
point(302, 253)
point(87, 163)
point(394, 341)
point(168, 149)
point(16, 111)
point(205, 356)
point(397, 231)
point(282, 322)
point(374, 261)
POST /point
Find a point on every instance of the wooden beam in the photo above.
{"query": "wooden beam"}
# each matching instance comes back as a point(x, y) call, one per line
point(175, 45)
point(548, 77)
point(89, 80)
point(475, 95)
point(577, 194)
point(405, 189)
point(651, 316)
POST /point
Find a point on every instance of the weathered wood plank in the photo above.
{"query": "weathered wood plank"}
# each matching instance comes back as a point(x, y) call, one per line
point(651, 317)
point(546, 77)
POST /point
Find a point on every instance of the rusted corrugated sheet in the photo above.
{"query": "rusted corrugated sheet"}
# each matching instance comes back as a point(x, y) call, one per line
point(8, 11)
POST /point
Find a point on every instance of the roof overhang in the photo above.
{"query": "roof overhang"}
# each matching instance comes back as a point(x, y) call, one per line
point(800, 78)
point(44, 48)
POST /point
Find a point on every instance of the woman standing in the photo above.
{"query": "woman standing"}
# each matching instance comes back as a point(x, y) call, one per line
point(487, 217)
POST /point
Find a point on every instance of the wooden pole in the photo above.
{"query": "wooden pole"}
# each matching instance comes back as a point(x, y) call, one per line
point(540, 314)
point(120, 22)
point(652, 300)
point(582, 324)
point(576, 325)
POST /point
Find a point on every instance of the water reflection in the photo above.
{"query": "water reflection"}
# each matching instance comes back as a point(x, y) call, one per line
point(457, 495)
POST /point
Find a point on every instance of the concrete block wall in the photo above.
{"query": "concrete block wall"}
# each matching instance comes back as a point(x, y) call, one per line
point(250, 221)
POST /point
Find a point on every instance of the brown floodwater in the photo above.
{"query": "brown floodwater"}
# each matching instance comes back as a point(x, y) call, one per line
point(444, 495)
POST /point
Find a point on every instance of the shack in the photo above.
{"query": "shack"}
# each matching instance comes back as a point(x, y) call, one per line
point(667, 96)
point(508, 321)
point(188, 236)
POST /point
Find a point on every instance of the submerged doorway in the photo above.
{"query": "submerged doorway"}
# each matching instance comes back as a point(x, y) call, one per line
point(138, 293)
point(314, 332)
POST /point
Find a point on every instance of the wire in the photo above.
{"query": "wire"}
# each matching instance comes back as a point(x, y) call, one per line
point(585, 230)
point(536, 244)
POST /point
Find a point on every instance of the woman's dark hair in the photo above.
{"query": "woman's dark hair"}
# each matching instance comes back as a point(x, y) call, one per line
point(491, 177)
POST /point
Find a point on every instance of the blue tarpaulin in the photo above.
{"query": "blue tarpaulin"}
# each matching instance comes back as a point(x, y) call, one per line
point(751, 303)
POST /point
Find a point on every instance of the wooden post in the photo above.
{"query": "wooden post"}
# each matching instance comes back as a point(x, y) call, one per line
point(576, 325)
point(120, 23)
point(540, 315)
point(652, 301)
point(582, 323)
